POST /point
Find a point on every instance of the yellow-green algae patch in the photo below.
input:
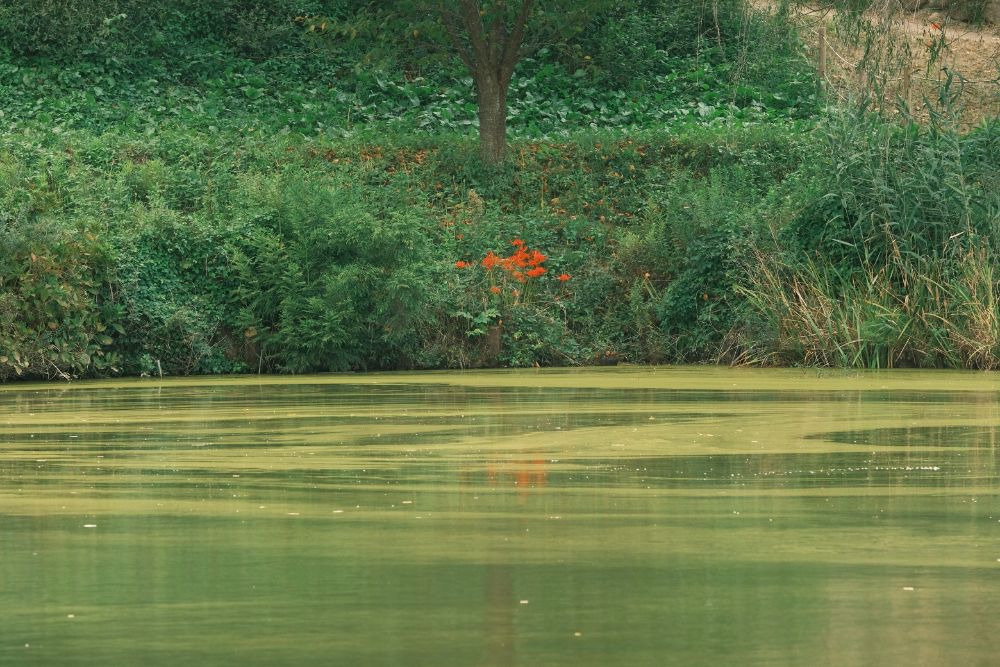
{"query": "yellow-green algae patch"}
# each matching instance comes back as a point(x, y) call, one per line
point(610, 516)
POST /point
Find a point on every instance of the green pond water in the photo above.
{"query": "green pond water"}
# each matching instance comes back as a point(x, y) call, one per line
point(667, 516)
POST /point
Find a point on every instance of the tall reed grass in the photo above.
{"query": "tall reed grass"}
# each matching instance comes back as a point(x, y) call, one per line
point(892, 263)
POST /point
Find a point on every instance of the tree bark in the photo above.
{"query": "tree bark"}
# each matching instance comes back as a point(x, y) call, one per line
point(492, 94)
point(490, 50)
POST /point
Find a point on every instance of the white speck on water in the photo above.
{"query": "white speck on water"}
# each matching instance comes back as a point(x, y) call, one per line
point(293, 514)
point(90, 525)
point(524, 602)
point(70, 615)
point(907, 588)
point(406, 502)
point(577, 634)
point(338, 511)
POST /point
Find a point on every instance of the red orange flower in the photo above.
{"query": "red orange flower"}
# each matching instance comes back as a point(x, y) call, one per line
point(535, 272)
point(563, 277)
point(522, 264)
point(462, 265)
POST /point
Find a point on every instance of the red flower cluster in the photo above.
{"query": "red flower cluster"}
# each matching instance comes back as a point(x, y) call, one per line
point(521, 264)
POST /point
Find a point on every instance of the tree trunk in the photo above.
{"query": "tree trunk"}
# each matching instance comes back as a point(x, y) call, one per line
point(492, 118)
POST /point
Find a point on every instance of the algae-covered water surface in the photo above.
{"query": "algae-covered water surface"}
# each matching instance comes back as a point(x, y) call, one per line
point(687, 516)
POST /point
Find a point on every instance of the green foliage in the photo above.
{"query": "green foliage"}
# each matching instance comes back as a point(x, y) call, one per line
point(176, 290)
point(293, 255)
point(890, 261)
point(703, 229)
point(252, 66)
point(198, 188)
point(648, 35)
point(57, 314)
point(904, 196)
point(342, 282)
point(128, 30)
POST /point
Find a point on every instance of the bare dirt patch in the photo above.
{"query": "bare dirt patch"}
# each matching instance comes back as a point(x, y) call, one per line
point(939, 47)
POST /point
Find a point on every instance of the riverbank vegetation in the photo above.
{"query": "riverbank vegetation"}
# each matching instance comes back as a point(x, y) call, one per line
point(209, 188)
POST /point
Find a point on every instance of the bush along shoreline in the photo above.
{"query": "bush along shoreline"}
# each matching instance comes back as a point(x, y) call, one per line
point(855, 244)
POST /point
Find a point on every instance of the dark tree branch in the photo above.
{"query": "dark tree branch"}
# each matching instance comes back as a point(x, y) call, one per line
point(477, 37)
point(512, 49)
point(448, 19)
point(498, 34)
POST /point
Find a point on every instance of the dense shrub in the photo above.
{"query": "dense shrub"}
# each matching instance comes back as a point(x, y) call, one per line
point(232, 252)
point(58, 317)
point(343, 280)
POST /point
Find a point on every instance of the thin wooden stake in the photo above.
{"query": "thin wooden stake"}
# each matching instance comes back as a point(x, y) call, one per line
point(906, 88)
point(822, 54)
